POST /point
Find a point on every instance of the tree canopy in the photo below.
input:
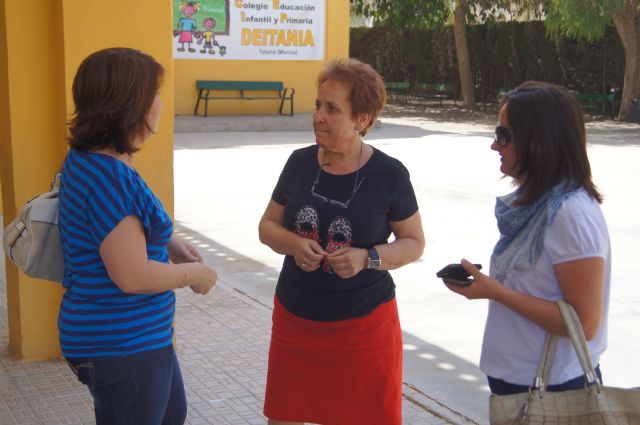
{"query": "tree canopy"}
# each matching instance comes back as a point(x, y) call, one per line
point(587, 19)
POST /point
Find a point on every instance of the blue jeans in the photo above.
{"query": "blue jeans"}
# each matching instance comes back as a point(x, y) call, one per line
point(141, 389)
point(500, 387)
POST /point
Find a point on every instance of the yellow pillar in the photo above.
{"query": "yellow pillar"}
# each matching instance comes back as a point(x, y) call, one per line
point(338, 21)
point(42, 42)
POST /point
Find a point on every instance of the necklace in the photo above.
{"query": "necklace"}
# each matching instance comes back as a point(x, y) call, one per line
point(356, 185)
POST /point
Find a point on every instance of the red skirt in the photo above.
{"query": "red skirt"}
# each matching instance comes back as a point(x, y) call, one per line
point(334, 373)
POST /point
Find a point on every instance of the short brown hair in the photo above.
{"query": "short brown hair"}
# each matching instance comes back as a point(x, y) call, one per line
point(368, 94)
point(113, 91)
point(549, 139)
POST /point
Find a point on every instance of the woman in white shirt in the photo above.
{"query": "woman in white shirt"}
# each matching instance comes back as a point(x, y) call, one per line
point(554, 244)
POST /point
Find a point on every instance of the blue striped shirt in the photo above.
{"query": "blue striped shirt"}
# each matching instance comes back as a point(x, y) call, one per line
point(96, 318)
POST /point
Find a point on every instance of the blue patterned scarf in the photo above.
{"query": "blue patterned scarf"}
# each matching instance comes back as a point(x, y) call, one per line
point(522, 229)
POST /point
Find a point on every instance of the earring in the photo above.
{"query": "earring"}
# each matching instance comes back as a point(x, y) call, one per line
point(357, 130)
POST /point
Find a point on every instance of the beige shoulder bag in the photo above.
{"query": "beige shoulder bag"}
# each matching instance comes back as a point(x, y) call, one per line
point(595, 404)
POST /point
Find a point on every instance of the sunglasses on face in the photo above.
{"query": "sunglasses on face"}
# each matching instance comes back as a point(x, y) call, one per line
point(502, 136)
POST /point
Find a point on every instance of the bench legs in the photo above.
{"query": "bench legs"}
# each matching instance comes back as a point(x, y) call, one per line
point(603, 107)
point(205, 97)
point(195, 111)
point(206, 103)
point(290, 98)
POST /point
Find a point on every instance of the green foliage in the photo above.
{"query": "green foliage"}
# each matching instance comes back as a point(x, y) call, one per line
point(502, 55)
point(424, 14)
point(582, 19)
point(411, 14)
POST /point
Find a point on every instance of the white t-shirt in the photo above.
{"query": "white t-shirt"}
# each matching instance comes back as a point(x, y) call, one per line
point(512, 344)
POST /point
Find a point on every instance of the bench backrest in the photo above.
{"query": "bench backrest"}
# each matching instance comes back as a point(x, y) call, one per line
point(435, 88)
point(594, 97)
point(239, 85)
point(394, 85)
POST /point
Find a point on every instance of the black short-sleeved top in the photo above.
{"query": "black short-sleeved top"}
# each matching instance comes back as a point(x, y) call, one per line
point(385, 195)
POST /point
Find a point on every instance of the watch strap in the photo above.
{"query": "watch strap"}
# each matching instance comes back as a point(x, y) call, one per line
point(373, 262)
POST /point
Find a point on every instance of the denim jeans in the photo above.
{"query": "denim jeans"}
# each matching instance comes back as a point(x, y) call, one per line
point(500, 387)
point(141, 389)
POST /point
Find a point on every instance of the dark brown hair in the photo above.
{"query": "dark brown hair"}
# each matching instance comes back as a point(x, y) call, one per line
point(368, 94)
point(549, 139)
point(113, 91)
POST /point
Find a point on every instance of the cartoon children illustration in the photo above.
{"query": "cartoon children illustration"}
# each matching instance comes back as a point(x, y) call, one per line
point(187, 25)
point(209, 39)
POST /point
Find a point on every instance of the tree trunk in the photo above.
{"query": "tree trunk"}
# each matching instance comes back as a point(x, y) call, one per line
point(462, 52)
point(627, 23)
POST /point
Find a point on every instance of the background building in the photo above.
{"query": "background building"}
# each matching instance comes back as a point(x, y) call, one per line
point(42, 42)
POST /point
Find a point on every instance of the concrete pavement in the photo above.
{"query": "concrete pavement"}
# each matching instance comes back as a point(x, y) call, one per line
point(224, 180)
point(223, 341)
point(225, 169)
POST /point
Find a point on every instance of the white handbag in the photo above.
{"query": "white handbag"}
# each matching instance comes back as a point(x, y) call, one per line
point(32, 241)
point(595, 404)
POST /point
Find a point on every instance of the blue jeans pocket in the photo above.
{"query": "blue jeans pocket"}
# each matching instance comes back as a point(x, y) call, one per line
point(83, 369)
point(112, 383)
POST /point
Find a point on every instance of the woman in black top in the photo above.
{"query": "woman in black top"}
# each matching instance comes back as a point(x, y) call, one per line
point(336, 344)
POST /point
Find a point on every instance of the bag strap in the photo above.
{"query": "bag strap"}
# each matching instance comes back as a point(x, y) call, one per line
point(544, 367)
point(55, 183)
point(576, 333)
point(579, 342)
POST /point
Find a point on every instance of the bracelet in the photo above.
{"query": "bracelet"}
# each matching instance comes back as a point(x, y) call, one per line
point(186, 275)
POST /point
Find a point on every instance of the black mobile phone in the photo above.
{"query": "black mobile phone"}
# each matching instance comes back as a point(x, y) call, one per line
point(455, 274)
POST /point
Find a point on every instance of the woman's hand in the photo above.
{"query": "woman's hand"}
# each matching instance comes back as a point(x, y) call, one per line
point(308, 254)
point(201, 277)
point(181, 251)
point(124, 254)
point(581, 283)
point(481, 287)
point(348, 261)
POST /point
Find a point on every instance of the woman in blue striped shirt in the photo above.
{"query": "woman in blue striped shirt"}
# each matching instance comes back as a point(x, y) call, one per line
point(122, 260)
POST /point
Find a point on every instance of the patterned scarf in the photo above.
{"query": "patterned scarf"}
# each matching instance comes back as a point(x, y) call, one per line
point(522, 229)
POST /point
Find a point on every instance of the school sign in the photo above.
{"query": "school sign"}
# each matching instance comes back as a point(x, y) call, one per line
point(249, 30)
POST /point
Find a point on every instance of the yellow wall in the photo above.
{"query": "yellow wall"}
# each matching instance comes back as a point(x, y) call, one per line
point(301, 75)
point(39, 55)
point(32, 148)
point(90, 25)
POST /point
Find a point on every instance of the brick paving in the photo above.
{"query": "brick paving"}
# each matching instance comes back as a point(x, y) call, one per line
point(222, 341)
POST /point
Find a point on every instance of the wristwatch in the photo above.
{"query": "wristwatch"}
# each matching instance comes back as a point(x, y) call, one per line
point(373, 262)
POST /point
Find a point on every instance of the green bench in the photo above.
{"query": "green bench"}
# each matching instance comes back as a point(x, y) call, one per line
point(601, 102)
point(397, 91)
point(243, 90)
point(425, 91)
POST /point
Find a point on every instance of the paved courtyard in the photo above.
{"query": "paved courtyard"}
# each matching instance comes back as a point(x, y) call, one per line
point(223, 340)
point(223, 180)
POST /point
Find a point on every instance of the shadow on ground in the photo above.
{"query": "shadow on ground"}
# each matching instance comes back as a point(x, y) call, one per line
point(447, 112)
point(242, 139)
point(441, 370)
